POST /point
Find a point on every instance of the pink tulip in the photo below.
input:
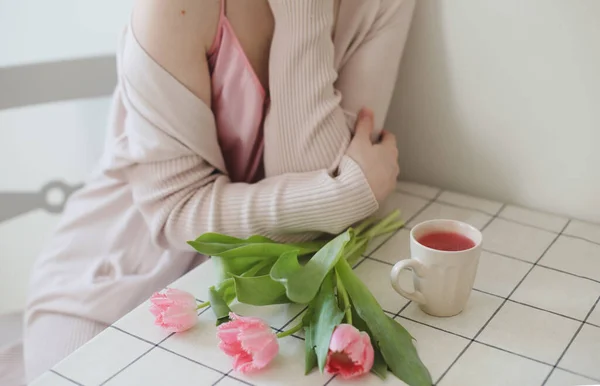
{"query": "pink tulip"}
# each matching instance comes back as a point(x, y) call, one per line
point(250, 341)
point(350, 352)
point(175, 310)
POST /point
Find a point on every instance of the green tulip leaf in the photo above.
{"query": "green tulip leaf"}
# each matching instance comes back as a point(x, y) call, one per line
point(356, 248)
point(269, 250)
point(380, 368)
point(228, 267)
point(325, 316)
point(214, 244)
point(394, 342)
point(263, 266)
point(226, 290)
point(303, 282)
point(259, 291)
point(219, 306)
point(310, 357)
point(285, 266)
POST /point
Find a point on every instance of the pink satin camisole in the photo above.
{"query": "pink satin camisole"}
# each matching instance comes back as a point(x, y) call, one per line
point(239, 103)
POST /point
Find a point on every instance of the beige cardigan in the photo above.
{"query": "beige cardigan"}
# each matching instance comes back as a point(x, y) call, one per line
point(162, 179)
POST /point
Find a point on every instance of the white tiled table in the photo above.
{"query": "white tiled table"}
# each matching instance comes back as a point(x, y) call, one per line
point(533, 317)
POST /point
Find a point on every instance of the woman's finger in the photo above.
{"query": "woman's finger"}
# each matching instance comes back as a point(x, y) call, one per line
point(388, 138)
point(364, 124)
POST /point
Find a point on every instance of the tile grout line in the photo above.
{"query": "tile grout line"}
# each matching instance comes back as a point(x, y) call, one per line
point(488, 344)
point(132, 335)
point(379, 261)
point(397, 315)
point(495, 216)
point(579, 374)
point(128, 365)
point(330, 380)
point(154, 345)
point(528, 224)
point(473, 209)
point(228, 375)
point(508, 257)
point(538, 264)
point(191, 360)
point(528, 305)
point(484, 343)
point(414, 216)
point(500, 296)
point(571, 341)
point(513, 353)
point(569, 273)
point(237, 379)
point(158, 345)
point(476, 341)
point(400, 190)
point(581, 238)
point(417, 195)
point(219, 380)
point(506, 218)
point(502, 304)
point(446, 202)
point(65, 377)
point(434, 327)
point(294, 317)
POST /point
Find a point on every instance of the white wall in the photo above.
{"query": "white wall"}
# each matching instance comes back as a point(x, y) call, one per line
point(34, 31)
point(502, 99)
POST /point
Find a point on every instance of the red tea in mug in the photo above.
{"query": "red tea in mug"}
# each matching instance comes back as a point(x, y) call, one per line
point(446, 241)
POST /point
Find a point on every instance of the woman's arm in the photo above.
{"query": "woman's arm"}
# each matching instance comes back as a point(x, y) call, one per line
point(314, 107)
point(175, 168)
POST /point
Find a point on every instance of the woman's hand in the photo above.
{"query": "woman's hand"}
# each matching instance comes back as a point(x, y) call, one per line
point(379, 161)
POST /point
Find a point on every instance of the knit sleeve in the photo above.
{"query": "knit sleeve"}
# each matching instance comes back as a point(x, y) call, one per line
point(178, 182)
point(314, 106)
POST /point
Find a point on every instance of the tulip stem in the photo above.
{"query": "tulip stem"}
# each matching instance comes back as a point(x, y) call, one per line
point(291, 331)
point(202, 305)
point(344, 295)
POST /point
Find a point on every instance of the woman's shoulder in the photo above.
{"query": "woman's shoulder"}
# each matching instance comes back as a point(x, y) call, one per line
point(184, 22)
point(176, 34)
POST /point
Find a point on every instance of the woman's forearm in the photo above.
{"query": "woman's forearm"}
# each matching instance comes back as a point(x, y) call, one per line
point(179, 202)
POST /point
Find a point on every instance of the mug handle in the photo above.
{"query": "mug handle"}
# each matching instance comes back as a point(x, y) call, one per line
point(418, 269)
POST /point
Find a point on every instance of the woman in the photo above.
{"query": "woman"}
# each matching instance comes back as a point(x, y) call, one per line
point(233, 117)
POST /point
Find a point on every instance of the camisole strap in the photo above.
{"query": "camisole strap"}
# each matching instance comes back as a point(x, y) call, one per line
point(216, 42)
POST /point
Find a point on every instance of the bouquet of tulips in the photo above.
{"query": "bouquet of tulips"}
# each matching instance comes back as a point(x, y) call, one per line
point(346, 331)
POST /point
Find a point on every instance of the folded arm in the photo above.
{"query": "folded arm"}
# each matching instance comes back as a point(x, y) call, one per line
point(175, 168)
point(314, 106)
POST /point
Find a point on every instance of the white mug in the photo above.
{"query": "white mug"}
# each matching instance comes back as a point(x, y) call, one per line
point(443, 280)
